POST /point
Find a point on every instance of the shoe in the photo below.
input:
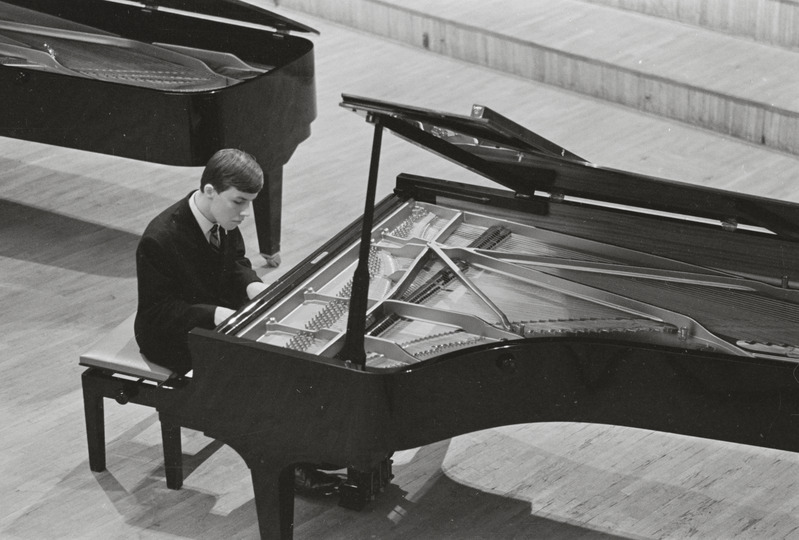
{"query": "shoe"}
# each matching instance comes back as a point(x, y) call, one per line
point(312, 481)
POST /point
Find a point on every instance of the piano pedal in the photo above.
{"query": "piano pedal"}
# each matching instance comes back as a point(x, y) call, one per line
point(362, 487)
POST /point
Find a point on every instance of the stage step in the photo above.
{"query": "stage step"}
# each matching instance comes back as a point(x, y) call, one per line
point(731, 85)
point(773, 22)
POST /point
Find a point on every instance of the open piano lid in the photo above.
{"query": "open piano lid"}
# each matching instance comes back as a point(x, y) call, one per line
point(235, 10)
point(495, 147)
point(230, 9)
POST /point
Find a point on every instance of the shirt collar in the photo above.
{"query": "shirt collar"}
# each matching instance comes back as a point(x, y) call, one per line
point(202, 221)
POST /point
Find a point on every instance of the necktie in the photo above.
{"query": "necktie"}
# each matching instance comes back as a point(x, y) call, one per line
point(213, 238)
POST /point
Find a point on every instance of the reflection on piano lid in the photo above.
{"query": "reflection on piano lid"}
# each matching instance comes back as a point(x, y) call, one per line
point(95, 54)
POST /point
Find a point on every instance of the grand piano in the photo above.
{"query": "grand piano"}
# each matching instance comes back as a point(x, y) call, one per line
point(165, 81)
point(569, 292)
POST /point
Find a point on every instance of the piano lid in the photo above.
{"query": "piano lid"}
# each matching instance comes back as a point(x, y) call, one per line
point(533, 167)
point(483, 125)
point(230, 9)
point(235, 10)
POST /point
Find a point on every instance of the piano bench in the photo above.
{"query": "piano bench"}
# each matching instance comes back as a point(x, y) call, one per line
point(116, 369)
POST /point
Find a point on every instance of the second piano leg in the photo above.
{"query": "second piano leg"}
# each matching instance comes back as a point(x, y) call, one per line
point(267, 209)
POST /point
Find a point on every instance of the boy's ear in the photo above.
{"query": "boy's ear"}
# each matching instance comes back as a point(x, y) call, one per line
point(208, 189)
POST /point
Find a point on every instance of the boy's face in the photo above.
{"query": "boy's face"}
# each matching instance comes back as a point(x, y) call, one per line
point(230, 207)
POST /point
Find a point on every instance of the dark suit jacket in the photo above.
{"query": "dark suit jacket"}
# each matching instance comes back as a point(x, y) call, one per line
point(182, 280)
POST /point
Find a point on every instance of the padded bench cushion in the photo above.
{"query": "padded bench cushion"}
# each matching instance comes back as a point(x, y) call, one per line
point(119, 352)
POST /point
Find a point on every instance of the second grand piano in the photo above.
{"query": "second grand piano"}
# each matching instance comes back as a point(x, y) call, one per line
point(169, 82)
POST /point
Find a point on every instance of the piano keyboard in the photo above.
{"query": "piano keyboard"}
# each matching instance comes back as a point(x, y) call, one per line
point(442, 280)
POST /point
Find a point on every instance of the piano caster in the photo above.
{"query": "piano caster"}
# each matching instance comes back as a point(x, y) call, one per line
point(362, 487)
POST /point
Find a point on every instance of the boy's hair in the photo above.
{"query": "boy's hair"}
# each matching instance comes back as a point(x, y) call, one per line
point(232, 168)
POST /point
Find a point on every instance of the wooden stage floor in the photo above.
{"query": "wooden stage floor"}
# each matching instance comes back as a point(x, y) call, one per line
point(70, 225)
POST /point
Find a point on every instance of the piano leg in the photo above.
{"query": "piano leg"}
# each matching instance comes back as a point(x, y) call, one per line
point(267, 208)
point(274, 500)
point(95, 421)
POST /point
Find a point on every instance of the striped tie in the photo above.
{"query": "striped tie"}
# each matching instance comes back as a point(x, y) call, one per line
point(213, 238)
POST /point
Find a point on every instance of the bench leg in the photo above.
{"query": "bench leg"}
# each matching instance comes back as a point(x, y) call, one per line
point(173, 455)
point(95, 423)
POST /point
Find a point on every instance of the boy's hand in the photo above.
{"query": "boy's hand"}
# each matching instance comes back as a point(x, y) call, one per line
point(221, 314)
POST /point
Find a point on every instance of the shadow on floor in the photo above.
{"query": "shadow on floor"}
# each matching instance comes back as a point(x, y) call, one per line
point(439, 508)
point(45, 237)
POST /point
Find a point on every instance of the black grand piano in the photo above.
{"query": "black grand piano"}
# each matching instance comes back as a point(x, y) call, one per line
point(166, 81)
point(570, 292)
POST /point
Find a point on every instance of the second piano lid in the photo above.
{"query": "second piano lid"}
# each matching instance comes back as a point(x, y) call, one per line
point(234, 10)
point(497, 148)
point(230, 9)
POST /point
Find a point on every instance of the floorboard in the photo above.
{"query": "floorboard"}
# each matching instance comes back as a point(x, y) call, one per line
point(71, 220)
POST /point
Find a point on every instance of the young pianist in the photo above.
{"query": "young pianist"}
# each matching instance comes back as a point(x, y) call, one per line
point(191, 265)
point(192, 272)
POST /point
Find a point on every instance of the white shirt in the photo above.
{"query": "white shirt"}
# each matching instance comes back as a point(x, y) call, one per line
point(202, 221)
point(253, 288)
